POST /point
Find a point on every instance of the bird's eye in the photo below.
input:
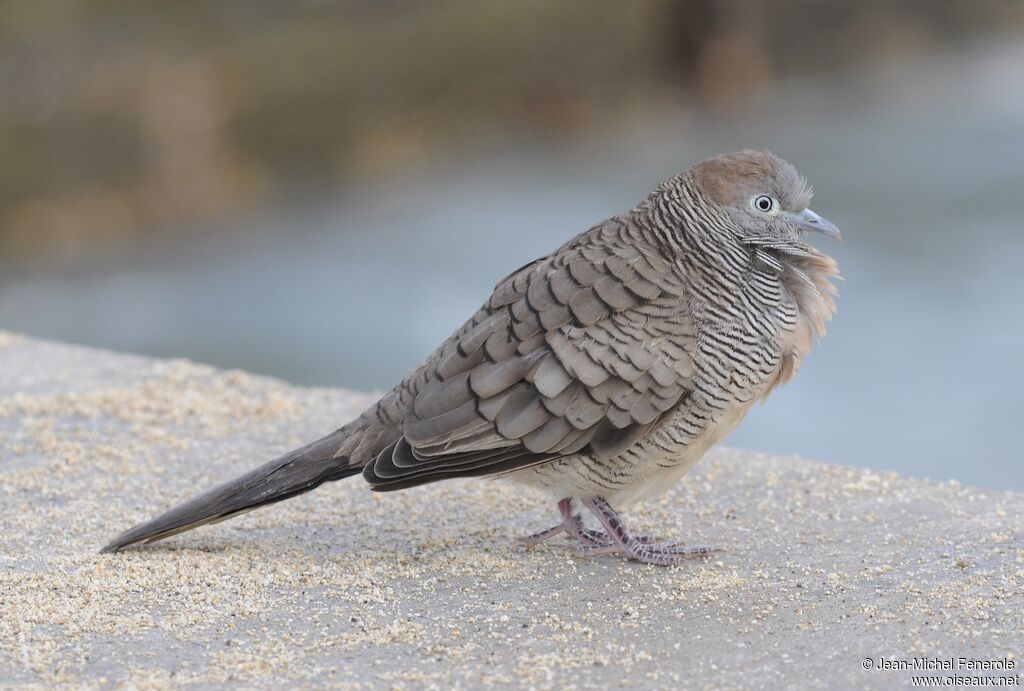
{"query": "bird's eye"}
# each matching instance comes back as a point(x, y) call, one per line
point(763, 202)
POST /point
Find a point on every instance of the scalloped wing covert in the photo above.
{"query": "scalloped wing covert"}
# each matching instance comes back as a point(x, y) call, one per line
point(581, 351)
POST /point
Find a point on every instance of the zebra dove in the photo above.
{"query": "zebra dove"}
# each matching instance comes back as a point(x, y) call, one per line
point(601, 372)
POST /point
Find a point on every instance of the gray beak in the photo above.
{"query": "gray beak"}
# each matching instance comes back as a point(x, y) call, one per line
point(808, 220)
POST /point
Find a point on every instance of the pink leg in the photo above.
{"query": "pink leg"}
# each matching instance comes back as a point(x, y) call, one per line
point(594, 542)
point(667, 554)
point(571, 525)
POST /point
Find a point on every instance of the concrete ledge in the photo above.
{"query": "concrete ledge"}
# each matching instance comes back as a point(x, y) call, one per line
point(826, 565)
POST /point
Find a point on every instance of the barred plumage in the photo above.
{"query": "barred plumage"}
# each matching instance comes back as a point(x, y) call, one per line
point(602, 371)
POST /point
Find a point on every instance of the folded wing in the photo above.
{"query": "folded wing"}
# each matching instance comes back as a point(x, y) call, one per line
point(581, 351)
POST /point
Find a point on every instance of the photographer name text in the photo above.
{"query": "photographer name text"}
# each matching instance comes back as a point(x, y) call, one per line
point(954, 664)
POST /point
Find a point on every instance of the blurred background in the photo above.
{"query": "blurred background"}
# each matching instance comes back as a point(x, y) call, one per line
point(322, 191)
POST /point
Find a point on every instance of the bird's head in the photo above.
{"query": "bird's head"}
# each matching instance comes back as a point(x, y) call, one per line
point(763, 195)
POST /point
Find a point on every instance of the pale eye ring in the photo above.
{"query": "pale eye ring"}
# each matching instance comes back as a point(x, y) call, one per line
point(764, 203)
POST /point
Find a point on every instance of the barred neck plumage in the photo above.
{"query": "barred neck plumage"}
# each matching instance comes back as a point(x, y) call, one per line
point(705, 243)
point(693, 233)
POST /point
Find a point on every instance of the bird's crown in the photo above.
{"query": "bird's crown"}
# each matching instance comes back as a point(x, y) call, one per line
point(729, 179)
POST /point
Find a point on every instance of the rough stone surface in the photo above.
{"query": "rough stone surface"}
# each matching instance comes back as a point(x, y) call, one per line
point(825, 566)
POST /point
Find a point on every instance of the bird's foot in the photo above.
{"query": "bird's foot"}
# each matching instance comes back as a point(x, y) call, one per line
point(601, 537)
point(542, 536)
point(571, 525)
point(663, 554)
point(641, 548)
point(617, 539)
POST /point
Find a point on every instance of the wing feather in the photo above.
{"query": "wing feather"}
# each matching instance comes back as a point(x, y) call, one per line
point(554, 364)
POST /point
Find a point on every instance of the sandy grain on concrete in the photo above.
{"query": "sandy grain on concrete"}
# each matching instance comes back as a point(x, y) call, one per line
point(826, 565)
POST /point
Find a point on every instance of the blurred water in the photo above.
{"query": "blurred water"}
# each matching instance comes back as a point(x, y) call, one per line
point(920, 165)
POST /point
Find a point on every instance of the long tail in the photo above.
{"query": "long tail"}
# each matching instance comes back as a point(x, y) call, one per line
point(296, 472)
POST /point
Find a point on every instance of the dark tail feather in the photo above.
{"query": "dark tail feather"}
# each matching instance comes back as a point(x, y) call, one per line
point(296, 472)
